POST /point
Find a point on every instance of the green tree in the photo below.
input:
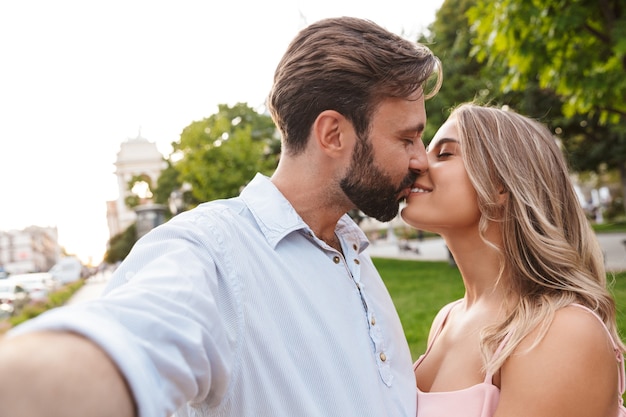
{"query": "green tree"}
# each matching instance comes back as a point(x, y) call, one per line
point(449, 38)
point(222, 153)
point(466, 79)
point(214, 158)
point(120, 245)
point(167, 182)
point(575, 49)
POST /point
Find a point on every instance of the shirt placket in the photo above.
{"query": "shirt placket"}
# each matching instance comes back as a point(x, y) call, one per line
point(353, 265)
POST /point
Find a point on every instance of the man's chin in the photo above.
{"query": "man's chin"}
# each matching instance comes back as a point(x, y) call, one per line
point(385, 217)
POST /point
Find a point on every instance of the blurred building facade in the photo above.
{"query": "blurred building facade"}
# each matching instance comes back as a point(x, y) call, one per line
point(136, 157)
point(34, 249)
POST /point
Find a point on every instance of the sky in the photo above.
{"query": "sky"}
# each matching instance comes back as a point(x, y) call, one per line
point(79, 77)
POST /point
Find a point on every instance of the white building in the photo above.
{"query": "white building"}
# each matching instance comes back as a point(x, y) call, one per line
point(34, 249)
point(136, 157)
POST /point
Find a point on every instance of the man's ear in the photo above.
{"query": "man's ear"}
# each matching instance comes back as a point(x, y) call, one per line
point(329, 132)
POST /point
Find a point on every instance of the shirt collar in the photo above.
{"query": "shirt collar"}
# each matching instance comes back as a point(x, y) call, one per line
point(277, 218)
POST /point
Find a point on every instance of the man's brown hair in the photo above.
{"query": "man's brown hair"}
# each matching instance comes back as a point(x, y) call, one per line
point(348, 65)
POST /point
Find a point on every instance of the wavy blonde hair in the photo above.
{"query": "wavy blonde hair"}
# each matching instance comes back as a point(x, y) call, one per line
point(550, 255)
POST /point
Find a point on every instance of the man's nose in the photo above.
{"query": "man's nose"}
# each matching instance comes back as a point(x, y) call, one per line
point(419, 159)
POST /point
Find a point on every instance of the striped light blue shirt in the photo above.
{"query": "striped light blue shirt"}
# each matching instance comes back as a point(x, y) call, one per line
point(235, 308)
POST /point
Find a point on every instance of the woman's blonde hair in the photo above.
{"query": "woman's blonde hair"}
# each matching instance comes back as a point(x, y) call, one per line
point(550, 255)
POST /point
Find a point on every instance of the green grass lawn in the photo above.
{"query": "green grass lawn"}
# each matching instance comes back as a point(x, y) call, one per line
point(419, 289)
point(609, 227)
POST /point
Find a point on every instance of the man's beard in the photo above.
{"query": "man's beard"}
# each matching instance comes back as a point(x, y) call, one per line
point(370, 189)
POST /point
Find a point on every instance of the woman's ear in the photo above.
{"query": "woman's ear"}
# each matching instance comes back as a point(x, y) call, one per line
point(503, 196)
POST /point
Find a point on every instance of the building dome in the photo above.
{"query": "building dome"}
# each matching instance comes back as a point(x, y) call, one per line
point(138, 151)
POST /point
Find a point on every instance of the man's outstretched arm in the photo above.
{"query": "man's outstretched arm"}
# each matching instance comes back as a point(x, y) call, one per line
point(62, 374)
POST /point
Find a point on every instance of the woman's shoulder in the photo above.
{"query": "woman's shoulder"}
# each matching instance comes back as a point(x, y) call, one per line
point(573, 366)
point(575, 335)
point(579, 329)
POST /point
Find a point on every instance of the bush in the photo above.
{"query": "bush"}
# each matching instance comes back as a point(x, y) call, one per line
point(55, 299)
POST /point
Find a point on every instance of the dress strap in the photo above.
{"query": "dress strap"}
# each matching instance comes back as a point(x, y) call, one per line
point(447, 311)
point(489, 376)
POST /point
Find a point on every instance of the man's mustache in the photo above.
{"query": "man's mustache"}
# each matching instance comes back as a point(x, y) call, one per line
point(408, 180)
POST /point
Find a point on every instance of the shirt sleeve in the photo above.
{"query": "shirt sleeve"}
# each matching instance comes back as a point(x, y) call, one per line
point(167, 319)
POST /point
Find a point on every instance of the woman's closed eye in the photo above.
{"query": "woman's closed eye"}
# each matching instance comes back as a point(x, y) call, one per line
point(444, 148)
point(447, 150)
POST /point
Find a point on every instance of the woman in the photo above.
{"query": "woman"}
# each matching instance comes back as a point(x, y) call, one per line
point(535, 333)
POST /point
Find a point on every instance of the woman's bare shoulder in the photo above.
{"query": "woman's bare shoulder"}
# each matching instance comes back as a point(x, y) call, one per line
point(571, 372)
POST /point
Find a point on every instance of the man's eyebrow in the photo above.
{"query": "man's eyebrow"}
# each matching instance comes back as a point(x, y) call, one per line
point(440, 142)
point(413, 130)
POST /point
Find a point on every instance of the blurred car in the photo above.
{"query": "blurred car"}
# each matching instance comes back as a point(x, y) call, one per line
point(67, 270)
point(37, 284)
point(13, 297)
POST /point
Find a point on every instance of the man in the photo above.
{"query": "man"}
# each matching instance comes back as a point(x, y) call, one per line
point(264, 304)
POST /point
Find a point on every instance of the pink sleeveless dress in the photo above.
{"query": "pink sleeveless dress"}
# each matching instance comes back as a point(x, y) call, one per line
point(481, 400)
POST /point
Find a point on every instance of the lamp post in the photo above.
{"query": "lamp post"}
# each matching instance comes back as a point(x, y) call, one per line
point(149, 216)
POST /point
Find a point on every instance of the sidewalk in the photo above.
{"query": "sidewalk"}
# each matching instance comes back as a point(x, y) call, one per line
point(434, 249)
point(614, 250)
point(431, 249)
point(93, 287)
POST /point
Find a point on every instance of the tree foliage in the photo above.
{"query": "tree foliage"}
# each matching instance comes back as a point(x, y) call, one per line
point(466, 79)
point(566, 69)
point(222, 153)
point(166, 183)
point(120, 245)
point(214, 158)
point(575, 47)
point(450, 39)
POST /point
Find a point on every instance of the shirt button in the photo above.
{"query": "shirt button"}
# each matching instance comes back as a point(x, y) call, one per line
point(336, 259)
point(356, 261)
point(373, 321)
point(383, 357)
point(354, 246)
